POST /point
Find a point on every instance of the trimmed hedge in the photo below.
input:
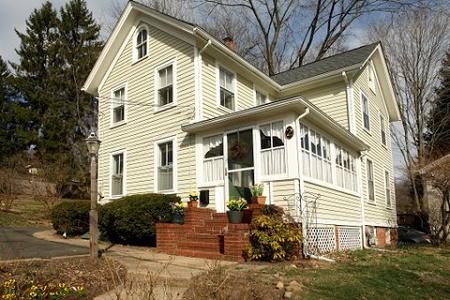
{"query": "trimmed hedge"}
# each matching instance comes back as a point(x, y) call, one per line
point(71, 217)
point(132, 219)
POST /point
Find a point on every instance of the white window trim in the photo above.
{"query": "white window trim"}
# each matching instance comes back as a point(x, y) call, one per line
point(355, 158)
point(173, 63)
point(380, 115)
point(261, 91)
point(205, 183)
point(258, 151)
point(125, 106)
point(362, 112)
point(235, 87)
point(374, 201)
point(385, 188)
point(124, 173)
point(135, 59)
point(371, 69)
point(172, 139)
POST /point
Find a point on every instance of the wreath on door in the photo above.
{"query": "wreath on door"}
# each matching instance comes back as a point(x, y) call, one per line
point(238, 150)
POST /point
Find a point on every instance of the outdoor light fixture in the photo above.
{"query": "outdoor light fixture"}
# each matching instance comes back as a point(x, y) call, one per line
point(93, 144)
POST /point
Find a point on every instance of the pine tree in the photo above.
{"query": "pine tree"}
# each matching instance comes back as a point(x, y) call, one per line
point(439, 121)
point(37, 77)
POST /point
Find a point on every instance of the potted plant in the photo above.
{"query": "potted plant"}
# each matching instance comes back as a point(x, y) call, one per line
point(178, 213)
point(193, 199)
point(257, 191)
point(235, 213)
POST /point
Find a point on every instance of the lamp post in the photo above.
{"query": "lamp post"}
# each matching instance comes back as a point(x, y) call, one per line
point(93, 144)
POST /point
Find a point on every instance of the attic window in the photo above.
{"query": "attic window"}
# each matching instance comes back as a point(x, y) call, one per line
point(371, 77)
point(141, 43)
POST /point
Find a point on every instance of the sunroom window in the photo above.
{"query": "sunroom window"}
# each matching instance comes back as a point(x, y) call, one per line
point(165, 86)
point(118, 103)
point(316, 155)
point(345, 169)
point(213, 159)
point(272, 149)
point(226, 89)
point(165, 166)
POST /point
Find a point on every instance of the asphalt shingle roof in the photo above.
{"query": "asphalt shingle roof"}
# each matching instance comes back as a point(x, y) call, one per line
point(325, 65)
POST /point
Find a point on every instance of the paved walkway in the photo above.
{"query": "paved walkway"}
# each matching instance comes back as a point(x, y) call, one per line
point(167, 275)
point(19, 243)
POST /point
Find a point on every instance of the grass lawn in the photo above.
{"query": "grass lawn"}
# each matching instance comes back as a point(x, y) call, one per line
point(25, 212)
point(410, 273)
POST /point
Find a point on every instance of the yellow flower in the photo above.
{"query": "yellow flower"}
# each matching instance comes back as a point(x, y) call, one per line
point(33, 294)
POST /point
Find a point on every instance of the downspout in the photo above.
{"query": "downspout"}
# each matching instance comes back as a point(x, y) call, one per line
point(299, 177)
point(198, 79)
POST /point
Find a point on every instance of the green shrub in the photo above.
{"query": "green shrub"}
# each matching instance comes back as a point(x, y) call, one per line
point(274, 236)
point(71, 217)
point(132, 219)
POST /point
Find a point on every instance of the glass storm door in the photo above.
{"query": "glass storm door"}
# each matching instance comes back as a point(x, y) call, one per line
point(240, 168)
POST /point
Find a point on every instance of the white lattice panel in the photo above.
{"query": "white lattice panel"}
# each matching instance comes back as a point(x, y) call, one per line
point(349, 238)
point(321, 239)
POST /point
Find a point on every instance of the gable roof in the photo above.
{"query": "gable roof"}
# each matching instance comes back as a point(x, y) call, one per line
point(328, 64)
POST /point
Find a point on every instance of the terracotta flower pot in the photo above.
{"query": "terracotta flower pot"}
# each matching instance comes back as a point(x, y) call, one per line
point(259, 200)
point(193, 203)
point(235, 217)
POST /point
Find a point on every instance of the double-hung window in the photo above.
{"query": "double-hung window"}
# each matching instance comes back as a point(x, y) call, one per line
point(370, 181)
point(141, 44)
point(261, 98)
point(316, 155)
point(365, 111)
point(371, 75)
point(118, 105)
point(345, 169)
point(383, 130)
point(273, 160)
point(213, 159)
point(388, 188)
point(227, 93)
point(165, 86)
point(117, 175)
point(165, 174)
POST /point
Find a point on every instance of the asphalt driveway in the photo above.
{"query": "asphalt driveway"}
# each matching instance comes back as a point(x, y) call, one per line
point(19, 243)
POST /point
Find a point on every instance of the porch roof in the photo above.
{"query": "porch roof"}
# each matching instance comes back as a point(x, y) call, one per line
point(289, 105)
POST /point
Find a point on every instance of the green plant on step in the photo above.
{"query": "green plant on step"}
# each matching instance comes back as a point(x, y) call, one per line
point(237, 205)
point(178, 208)
point(257, 190)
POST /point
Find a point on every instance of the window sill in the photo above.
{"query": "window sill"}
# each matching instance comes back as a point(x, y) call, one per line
point(118, 124)
point(367, 130)
point(211, 184)
point(139, 60)
point(389, 208)
point(165, 107)
point(371, 202)
point(167, 192)
point(225, 109)
point(115, 197)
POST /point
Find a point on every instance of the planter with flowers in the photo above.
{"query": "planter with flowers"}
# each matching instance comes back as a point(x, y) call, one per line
point(257, 191)
point(235, 213)
point(178, 213)
point(193, 199)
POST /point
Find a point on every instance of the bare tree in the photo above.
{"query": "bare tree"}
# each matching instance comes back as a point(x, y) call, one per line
point(292, 32)
point(414, 42)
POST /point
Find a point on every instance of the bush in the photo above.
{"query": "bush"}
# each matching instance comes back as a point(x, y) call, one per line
point(71, 217)
point(132, 219)
point(274, 236)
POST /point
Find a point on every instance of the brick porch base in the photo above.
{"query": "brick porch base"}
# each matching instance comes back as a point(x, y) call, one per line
point(207, 234)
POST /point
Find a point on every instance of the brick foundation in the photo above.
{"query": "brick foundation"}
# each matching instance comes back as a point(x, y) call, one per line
point(207, 234)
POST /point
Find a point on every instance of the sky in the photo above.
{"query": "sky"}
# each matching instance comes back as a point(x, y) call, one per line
point(13, 14)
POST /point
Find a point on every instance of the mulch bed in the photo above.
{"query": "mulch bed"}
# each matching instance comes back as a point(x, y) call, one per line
point(96, 278)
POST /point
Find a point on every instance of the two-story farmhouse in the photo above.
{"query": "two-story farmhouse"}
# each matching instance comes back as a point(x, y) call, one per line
point(180, 111)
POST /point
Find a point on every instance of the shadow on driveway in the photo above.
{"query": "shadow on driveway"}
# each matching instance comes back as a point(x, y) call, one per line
point(19, 243)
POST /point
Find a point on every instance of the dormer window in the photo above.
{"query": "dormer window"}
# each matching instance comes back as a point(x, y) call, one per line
point(141, 43)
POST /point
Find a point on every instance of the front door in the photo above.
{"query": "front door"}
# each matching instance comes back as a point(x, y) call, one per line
point(239, 165)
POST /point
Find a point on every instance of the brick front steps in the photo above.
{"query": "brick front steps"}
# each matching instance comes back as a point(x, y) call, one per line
point(206, 234)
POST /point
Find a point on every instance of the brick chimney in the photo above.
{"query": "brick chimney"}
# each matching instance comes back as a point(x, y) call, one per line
point(230, 43)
